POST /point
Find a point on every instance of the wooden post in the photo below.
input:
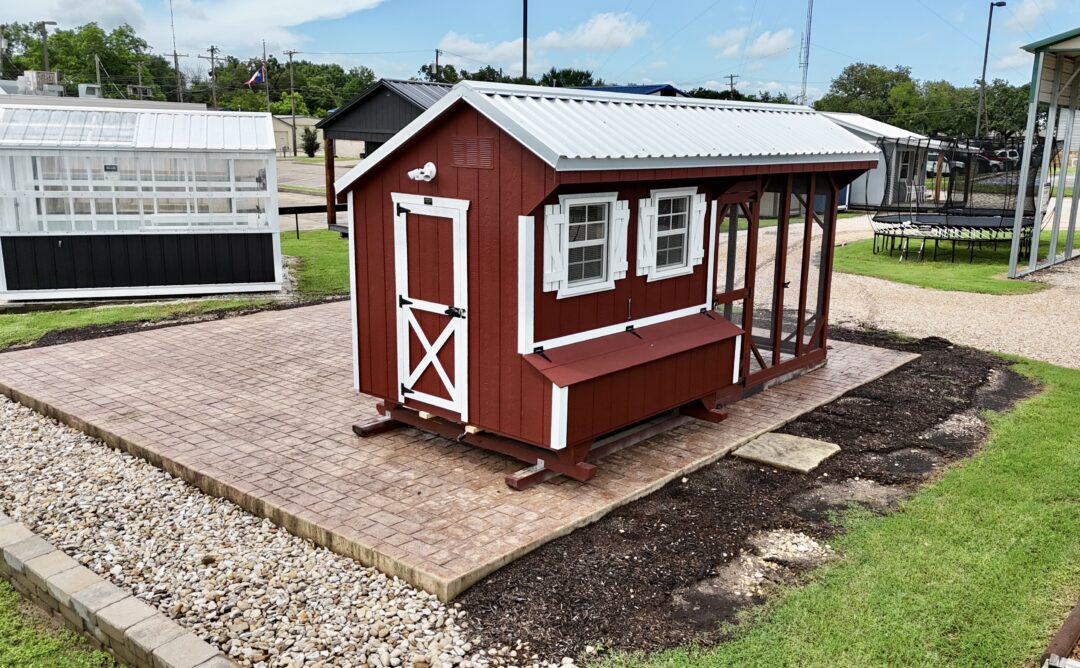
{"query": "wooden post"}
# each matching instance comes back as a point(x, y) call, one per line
point(331, 199)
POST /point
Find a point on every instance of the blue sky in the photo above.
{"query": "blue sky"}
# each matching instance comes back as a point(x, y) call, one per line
point(688, 42)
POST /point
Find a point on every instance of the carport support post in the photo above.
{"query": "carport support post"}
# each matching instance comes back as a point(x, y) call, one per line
point(331, 198)
point(1069, 120)
point(1025, 161)
point(1044, 172)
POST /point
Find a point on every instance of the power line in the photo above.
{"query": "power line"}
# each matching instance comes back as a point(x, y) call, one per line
point(213, 77)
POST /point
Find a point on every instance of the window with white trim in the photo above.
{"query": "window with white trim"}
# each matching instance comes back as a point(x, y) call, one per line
point(585, 243)
point(672, 226)
point(671, 233)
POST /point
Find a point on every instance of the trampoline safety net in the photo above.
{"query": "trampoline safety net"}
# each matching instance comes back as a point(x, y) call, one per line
point(950, 190)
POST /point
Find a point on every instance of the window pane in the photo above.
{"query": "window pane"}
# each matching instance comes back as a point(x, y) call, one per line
point(172, 205)
point(665, 206)
point(577, 214)
point(597, 231)
point(678, 221)
point(103, 206)
point(679, 204)
point(577, 232)
point(597, 212)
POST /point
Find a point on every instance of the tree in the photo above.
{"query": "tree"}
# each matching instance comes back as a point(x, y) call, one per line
point(309, 141)
point(569, 77)
point(283, 108)
point(863, 88)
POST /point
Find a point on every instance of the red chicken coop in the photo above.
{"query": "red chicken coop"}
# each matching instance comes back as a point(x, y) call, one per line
point(553, 273)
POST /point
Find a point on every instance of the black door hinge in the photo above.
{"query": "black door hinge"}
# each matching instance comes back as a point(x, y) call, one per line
point(401, 301)
point(405, 390)
point(401, 209)
point(455, 312)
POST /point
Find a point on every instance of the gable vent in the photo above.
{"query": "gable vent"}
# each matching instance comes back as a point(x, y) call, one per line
point(474, 152)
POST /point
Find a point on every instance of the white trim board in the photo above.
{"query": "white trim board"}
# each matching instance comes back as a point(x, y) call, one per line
point(578, 337)
point(140, 291)
point(526, 283)
point(352, 295)
point(559, 401)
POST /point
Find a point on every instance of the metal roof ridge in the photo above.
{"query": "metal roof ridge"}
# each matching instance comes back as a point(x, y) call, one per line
point(584, 94)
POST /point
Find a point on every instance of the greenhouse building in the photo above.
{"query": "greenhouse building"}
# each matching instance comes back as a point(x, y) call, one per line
point(124, 202)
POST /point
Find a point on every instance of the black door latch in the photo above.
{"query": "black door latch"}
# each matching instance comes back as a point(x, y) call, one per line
point(455, 312)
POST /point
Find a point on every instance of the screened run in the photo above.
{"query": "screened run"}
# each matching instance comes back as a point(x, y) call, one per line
point(150, 201)
point(86, 170)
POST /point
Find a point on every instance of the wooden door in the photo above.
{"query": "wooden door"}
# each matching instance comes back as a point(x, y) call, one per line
point(431, 277)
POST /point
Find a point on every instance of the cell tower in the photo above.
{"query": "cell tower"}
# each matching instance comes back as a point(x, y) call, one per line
point(804, 51)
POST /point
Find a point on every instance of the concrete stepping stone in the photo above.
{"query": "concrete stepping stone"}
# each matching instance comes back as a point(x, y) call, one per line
point(793, 453)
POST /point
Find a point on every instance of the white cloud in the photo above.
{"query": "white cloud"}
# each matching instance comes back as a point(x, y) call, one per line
point(236, 26)
point(729, 43)
point(771, 44)
point(733, 43)
point(1026, 14)
point(602, 32)
point(1013, 58)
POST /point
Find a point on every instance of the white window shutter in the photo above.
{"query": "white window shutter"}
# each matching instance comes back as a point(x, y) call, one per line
point(646, 236)
point(554, 232)
point(620, 225)
point(697, 230)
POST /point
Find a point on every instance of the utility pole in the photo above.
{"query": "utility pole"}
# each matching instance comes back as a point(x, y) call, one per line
point(213, 77)
point(138, 68)
point(97, 70)
point(292, 97)
point(176, 57)
point(43, 29)
point(266, 77)
point(524, 40)
point(3, 49)
point(731, 79)
point(982, 79)
point(438, 75)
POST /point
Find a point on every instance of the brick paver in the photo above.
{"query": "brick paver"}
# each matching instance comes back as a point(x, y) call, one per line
point(258, 409)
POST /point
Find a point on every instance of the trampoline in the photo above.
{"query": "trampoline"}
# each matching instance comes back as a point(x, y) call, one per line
point(952, 192)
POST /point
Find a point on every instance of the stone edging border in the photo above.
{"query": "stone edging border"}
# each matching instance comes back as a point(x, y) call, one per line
point(132, 631)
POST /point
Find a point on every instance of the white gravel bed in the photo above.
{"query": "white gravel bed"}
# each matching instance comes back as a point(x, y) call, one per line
point(264, 596)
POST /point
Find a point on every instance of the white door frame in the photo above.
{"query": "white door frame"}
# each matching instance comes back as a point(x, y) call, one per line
point(408, 372)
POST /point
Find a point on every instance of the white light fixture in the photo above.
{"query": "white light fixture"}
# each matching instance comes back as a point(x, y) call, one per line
point(425, 173)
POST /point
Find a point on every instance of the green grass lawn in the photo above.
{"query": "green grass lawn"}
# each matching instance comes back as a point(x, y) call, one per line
point(324, 262)
point(978, 569)
point(28, 644)
point(22, 328)
point(986, 274)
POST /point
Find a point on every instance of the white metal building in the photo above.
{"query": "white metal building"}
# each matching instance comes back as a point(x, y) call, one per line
point(104, 202)
point(905, 161)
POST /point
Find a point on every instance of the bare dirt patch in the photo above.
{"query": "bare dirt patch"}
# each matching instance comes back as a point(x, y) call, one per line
point(673, 567)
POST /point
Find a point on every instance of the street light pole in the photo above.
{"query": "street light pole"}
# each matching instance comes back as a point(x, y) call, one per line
point(982, 79)
point(44, 42)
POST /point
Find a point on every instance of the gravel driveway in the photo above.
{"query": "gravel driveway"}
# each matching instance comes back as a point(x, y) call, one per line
point(264, 596)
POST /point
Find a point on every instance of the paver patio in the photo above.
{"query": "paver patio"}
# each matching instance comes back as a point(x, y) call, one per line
point(258, 410)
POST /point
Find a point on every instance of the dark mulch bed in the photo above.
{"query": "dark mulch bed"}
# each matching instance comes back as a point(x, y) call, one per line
point(610, 584)
point(99, 331)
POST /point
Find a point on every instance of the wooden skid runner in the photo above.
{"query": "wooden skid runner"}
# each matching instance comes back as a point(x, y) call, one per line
point(575, 462)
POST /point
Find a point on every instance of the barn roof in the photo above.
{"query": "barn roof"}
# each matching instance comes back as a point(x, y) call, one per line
point(871, 126)
point(421, 94)
point(45, 126)
point(576, 130)
point(639, 89)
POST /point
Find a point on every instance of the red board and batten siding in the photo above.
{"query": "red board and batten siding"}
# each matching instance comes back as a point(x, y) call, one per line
point(506, 395)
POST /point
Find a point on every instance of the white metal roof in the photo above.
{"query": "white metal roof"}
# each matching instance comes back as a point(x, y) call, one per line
point(137, 129)
point(575, 129)
point(871, 126)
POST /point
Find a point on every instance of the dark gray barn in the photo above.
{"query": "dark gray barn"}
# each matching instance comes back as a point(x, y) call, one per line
point(374, 116)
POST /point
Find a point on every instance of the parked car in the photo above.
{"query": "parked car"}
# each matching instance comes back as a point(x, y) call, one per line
point(993, 162)
point(1010, 155)
point(946, 165)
